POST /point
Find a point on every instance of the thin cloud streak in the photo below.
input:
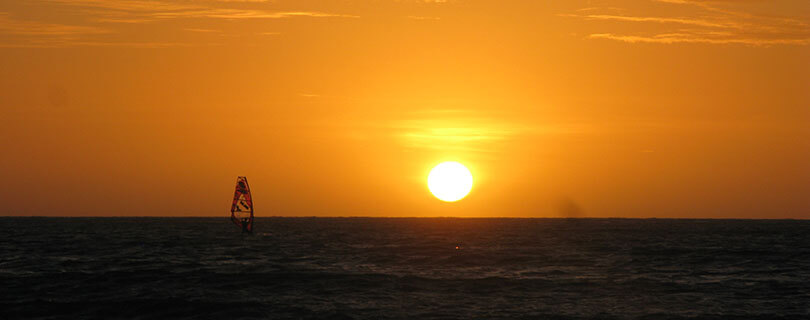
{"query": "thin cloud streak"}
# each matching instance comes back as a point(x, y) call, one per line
point(458, 130)
point(688, 38)
point(34, 28)
point(137, 10)
point(115, 20)
point(34, 34)
point(712, 25)
point(423, 18)
point(74, 43)
point(202, 30)
point(128, 5)
point(108, 17)
point(233, 14)
point(696, 22)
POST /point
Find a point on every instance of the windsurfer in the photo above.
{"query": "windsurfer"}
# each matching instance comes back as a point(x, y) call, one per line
point(245, 224)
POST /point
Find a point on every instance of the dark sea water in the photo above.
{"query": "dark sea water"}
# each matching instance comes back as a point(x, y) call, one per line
point(366, 268)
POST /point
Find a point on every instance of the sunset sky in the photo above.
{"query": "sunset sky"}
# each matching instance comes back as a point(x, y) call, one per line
point(610, 108)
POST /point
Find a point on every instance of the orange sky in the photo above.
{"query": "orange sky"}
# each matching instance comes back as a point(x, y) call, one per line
point(668, 108)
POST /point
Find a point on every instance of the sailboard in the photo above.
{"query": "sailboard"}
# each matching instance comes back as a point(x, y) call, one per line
point(242, 206)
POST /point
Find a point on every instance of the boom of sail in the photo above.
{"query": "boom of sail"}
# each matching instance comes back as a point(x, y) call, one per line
point(242, 206)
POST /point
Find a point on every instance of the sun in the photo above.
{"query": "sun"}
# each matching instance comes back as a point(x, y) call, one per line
point(450, 181)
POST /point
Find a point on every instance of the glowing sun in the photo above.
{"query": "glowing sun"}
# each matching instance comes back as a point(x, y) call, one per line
point(450, 181)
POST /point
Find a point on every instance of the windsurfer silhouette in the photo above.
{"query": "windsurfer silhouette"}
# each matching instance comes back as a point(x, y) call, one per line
point(245, 222)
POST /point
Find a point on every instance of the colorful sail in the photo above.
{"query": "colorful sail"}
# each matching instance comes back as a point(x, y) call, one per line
point(242, 206)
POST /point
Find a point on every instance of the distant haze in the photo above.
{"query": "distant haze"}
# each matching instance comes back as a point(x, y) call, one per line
point(340, 108)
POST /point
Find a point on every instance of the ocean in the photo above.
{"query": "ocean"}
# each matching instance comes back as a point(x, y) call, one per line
point(404, 268)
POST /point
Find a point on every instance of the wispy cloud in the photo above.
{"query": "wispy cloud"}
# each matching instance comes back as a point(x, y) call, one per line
point(711, 22)
point(669, 38)
point(455, 130)
point(34, 28)
point(128, 5)
point(35, 34)
point(243, 0)
point(122, 20)
point(245, 14)
point(65, 43)
point(148, 10)
point(42, 34)
point(202, 30)
point(686, 21)
point(96, 22)
point(423, 18)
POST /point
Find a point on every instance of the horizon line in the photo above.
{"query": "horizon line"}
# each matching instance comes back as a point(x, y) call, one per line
point(416, 217)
